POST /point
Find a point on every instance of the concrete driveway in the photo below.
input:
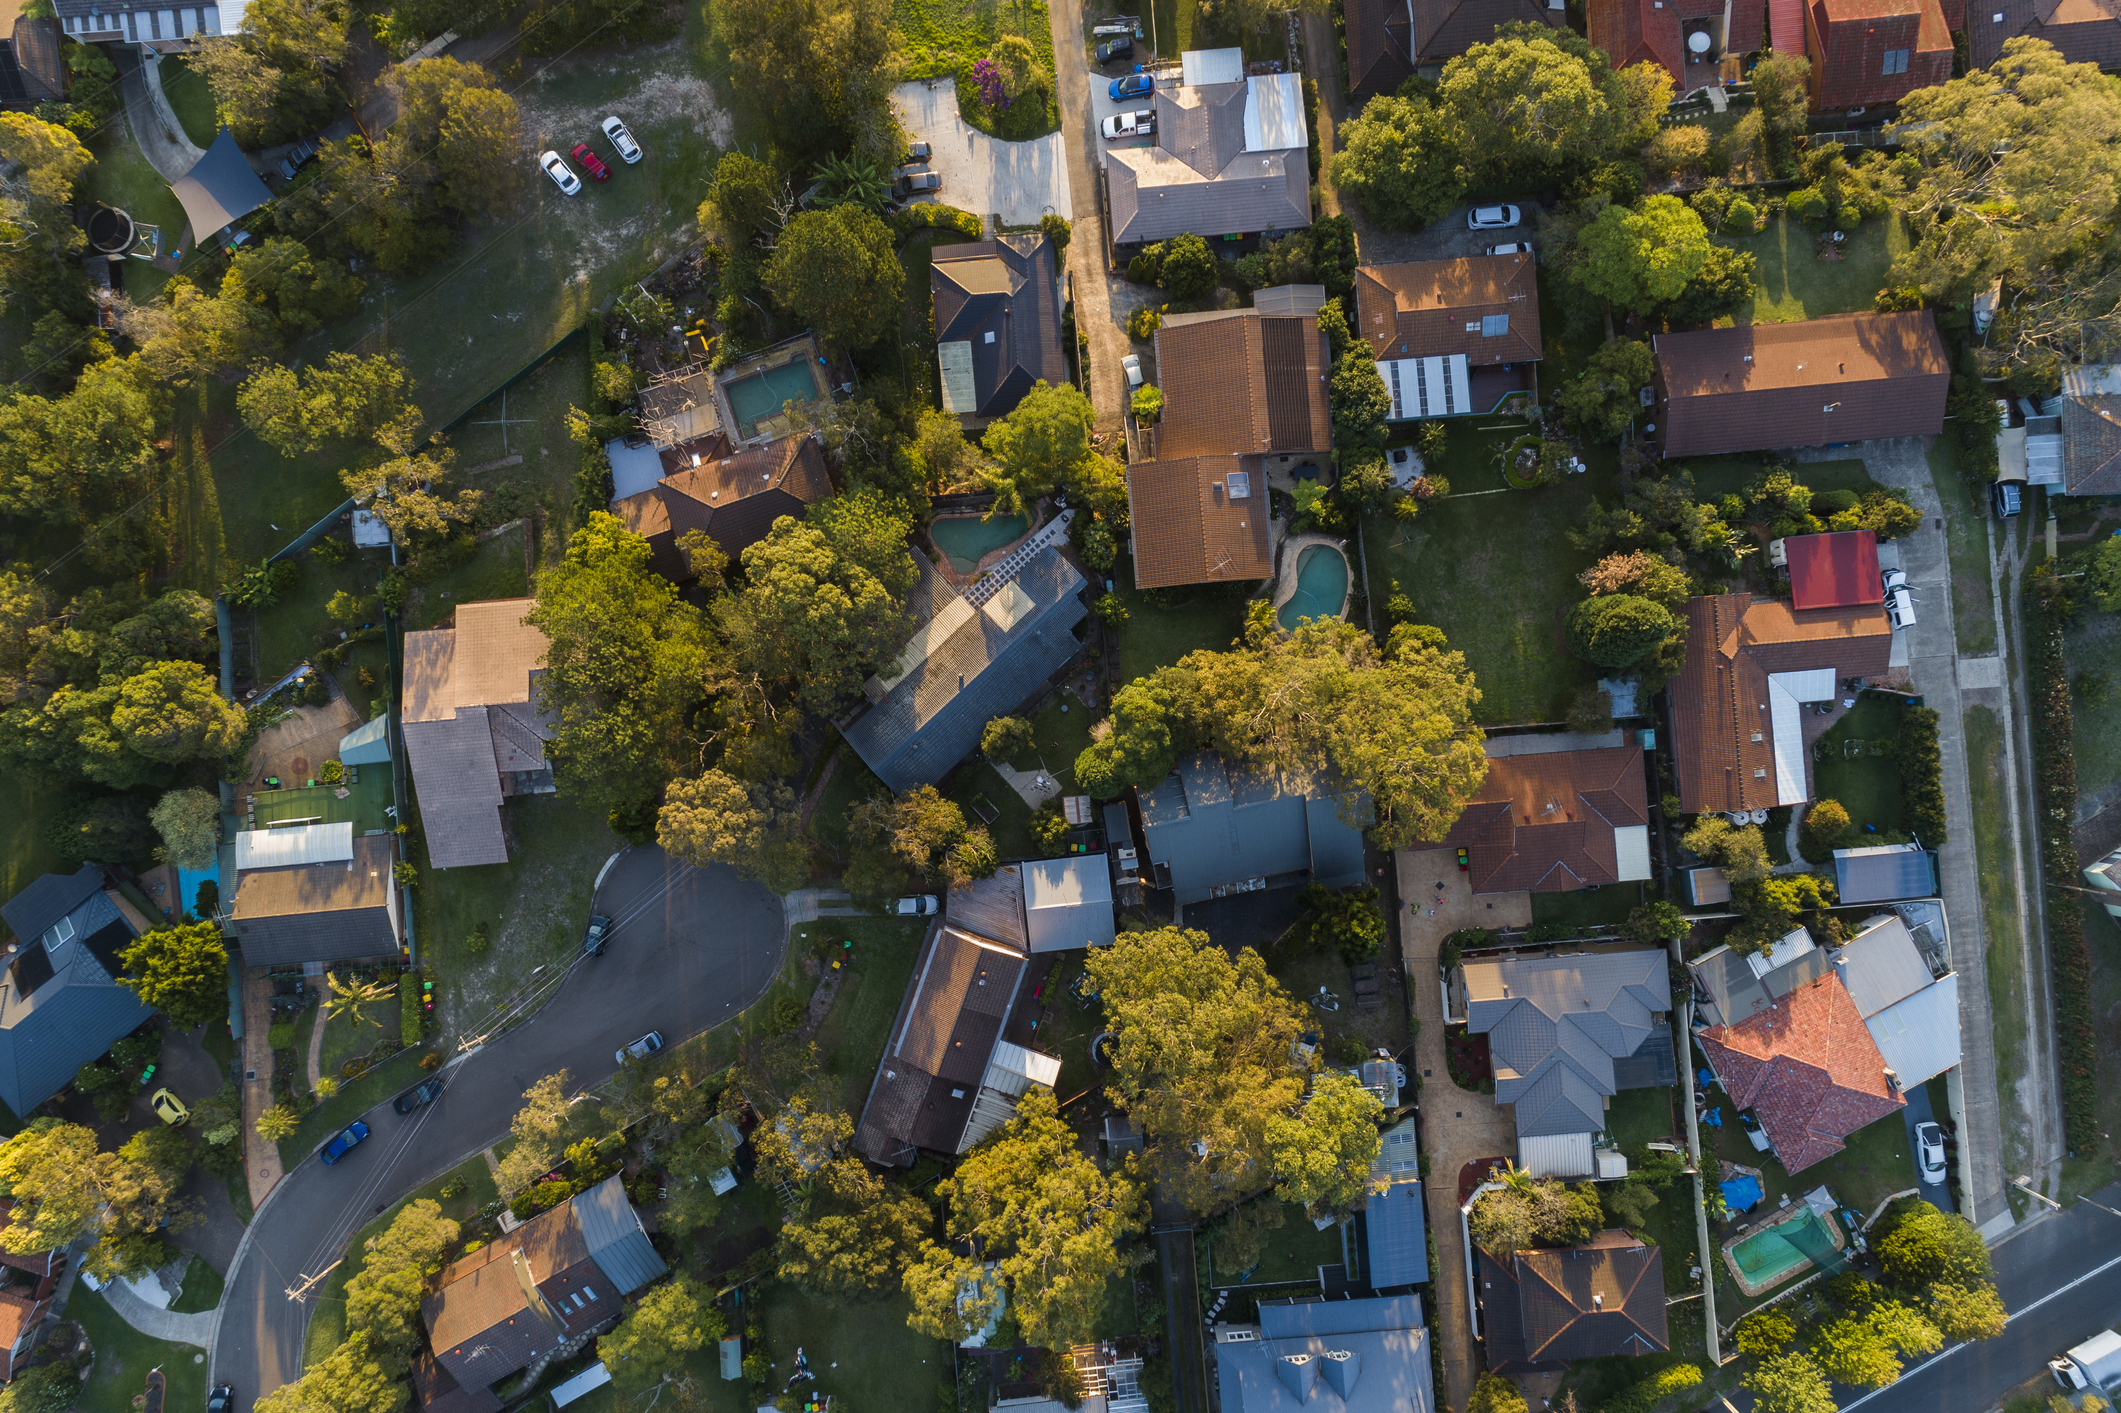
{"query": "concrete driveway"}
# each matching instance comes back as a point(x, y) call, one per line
point(1917, 1111)
point(1019, 181)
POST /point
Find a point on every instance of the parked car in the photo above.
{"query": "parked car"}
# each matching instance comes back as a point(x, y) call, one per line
point(425, 1092)
point(917, 152)
point(641, 1049)
point(591, 163)
point(1894, 579)
point(1900, 608)
point(621, 140)
point(168, 1107)
point(920, 905)
point(598, 934)
point(911, 169)
point(1492, 218)
point(562, 175)
point(1929, 1153)
point(2006, 498)
point(1514, 247)
point(1139, 123)
point(1131, 365)
point(1121, 48)
point(344, 1142)
point(1134, 85)
point(917, 183)
point(221, 1399)
point(299, 156)
point(1753, 1133)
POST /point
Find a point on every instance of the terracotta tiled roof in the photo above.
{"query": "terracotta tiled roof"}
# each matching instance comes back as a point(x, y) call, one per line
point(1770, 385)
point(1808, 1069)
point(1445, 29)
point(1647, 32)
point(1545, 823)
point(735, 498)
point(1380, 37)
point(1549, 1307)
point(1723, 733)
point(1838, 570)
point(1849, 41)
point(1240, 384)
point(1189, 529)
point(1432, 308)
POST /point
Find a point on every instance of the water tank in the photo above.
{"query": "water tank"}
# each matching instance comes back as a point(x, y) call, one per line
point(110, 230)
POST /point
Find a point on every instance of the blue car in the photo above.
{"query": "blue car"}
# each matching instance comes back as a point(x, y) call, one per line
point(1132, 86)
point(343, 1143)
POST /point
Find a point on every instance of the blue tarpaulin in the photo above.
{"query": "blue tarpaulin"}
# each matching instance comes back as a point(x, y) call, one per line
point(1741, 1193)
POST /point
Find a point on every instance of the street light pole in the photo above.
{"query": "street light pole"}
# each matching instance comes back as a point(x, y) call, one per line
point(2025, 1184)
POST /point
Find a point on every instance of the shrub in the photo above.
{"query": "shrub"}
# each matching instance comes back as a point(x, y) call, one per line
point(1148, 405)
point(331, 773)
point(1647, 1394)
point(2055, 774)
point(281, 1037)
point(1921, 767)
point(1143, 323)
point(541, 1198)
point(1187, 270)
point(1828, 503)
point(786, 1014)
point(477, 943)
point(412, 1015)
point(1008, 739)
point(1824, 824)
point(1615, 631)
point(1742, 217)
point(913, 218)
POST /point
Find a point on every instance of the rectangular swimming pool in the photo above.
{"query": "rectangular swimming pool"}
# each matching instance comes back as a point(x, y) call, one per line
point(1772, 1254)
point(757, 396)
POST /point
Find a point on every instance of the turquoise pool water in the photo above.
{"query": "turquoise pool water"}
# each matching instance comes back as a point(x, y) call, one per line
point(762, 395)
point(1767, 1256)
point(965, 539)
point(1321, 586)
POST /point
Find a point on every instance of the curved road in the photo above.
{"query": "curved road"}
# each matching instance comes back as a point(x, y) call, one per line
point(691, 948)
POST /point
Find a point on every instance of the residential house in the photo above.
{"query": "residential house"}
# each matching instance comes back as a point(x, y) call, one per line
point(1870, 53)
point(1199, 520)
point(1688, 39)
point(1545, 1309)
point(61, 1005)
point(1793, 1048)
point(1884, 872)
point(1209, 830)
point(960, 1054)
point(976, 654)
point(474, 731)
point(1836, 570)
point(558, 1277)
point(2083, 31)
point(147, 23)
point(1393, 1231)
point(1067, 903)
point(1567, 1033)
point(2087, 436)
point(31, 71)
point(28, 1280)
point(1366, 1355)
point(997, 322)
point(1845, 378)
point(1389, 40)
point(1556, 821)
point(1901, 981)
point(735, 499)
point(439, 1392)
point(1741, 739)
point(1241, 383)
point(1231, 158)
point(314, 893)
point(1451, 337)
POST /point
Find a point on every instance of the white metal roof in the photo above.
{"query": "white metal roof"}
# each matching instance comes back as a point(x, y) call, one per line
point(1274, 114)
point(1198, 66)
point(1919, 1036)
point(302, 844)
point(1427, 387)
point(1631, 851)
point(1787, 691)
point(1564, 1155)
point(1788, 948)
point(593, 1377)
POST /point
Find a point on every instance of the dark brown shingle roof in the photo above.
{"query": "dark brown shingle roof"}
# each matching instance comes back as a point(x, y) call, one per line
point(1546, 822)
point(1241, 384)
point(1433, 308)
point(734, 498)
point(1380, 35)
point(1187, 527)
point(1848, 378)
point(2085, 31)
point(2091, 440)
point(1549, 1307)
point(1445, 29)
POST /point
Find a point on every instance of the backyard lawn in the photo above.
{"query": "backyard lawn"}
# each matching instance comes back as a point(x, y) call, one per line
point(853, 1034)
point(1163, 625)
point(191, 100)
point(1586, 907)
point(123, 1357)
point(862, 1353)
point(1793, 284)
point(1966, 522)
point(1294, 1252)
point(2000, 917)
point(123, 178)
point(2092, 647)
point(1723, 476)
point(1866, 784)
point(1496, 572)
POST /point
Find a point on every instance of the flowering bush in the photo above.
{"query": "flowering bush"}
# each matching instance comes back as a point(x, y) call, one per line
point(989, 79)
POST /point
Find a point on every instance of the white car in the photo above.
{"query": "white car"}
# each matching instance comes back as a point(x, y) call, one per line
point(1139, 123)
point(1491, 218)
point(562, 175)
point(920, 905)
point(1895, 579)
point(1132, 366)
point(1900, 608)
point(1929, 1153)
point(640, 1049)
point(622, 140)
point(1515, 247)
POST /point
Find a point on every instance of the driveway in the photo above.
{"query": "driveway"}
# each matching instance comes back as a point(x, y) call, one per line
point(691, 948)
point(1019, 181)
point(1102, 300)
point(1917, 1112)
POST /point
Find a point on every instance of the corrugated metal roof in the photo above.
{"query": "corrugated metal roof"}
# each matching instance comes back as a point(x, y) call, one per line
point(1883, 873)
point(285, 848)
point(1881, 965)
point(1199, 66)
point(367, 745)
point(1562, 1155)
point(1068, 903)
point(616, 1241)
point(1396, 1242)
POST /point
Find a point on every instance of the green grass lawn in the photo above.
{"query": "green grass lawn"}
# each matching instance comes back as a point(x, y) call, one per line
point(355, 1098)
point(28, 808)
point(1069, 1031)
point(123, 178)
point(945, 38)
point(2000, 918)
point(1062, 731)
point(986, 798)
point(124, 1356)
point(345, 1037)
point(1723, 476)
point(1163, 625)
point(1586, 908)
point(852, 782)
point(528, 420)
point(1294, 1251)
point(497, 571)
point(1497, 574)
point(1179, 25)
point(861, 1353)
point(1637, 1116)
point(2092, 645)
point(202, 1289)
point(1966, 521)
point(1793, 284)
point(191, 100)
point(1868, 785)
point(851, 1039)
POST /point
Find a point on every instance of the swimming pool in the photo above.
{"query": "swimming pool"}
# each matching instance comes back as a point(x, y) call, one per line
point(1770, 1255)
point(757, 396)
point(1321, 586)
point(965, 539)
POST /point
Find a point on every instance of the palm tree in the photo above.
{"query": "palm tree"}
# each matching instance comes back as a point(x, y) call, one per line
point(342, 1000)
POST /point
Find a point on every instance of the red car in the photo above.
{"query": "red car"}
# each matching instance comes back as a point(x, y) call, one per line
point(591, 163)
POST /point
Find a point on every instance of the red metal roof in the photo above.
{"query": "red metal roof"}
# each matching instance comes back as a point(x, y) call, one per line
point(1839, 570)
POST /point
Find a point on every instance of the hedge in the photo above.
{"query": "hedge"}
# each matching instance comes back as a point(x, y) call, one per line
point(1643, 1396)
point(930, 213)
point(2055, 770)
point(1921, 767)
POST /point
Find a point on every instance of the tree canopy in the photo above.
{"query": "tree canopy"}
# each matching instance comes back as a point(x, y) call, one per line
point(181, 971)
point(1402, 160)
point(754, 827)
point(1641, 257)
point(838, 270)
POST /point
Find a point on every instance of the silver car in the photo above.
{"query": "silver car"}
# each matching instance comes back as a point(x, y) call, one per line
point(1929, 1153)
point(562, 175)
point(622, 140)
point(1492, 218)
point(640, 1049)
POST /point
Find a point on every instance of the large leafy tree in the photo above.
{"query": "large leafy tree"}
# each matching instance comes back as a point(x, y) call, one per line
point(354, 1378)
point(456, 139)
point(626, 668)
point(279, 78)
point(1402, 160)
point(1042, 446)
point(838, 270)
point(1789, 1383)
point(1133, 746)
point(172, 712)
point(70, 457)
point(916, 836)
point(1640, 258)
point(304, 292)
point(672, 1321)
point(36, 200)
point(189, 822)
point(1616, 631)
point(1052, 1222)
point(755, 827)
point(1358, 402)
point(64, 1186)
point(383, 1298)
point(346, 399)
point(1322, 1153)
point(809, 59)
point(1866, 1351)
point(748, 203)
point(1204, 1058)
point(1927, 1247)
point(180, 971)
point(1532, 100)
point(856, 1249)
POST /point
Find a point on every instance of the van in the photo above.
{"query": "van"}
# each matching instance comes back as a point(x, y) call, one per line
point(1900, 608)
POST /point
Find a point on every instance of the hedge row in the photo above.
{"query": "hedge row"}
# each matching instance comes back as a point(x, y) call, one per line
point(2055, 770)
point(934, 213)
point(1921, 767)
point(1642, 1397)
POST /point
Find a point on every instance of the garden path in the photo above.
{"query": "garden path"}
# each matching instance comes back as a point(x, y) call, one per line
point(261, 1160)
point(316, 1035)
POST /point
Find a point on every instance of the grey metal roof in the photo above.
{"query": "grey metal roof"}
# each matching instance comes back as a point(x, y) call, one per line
point(617, 1243)
point(1336, 846)
point(1396, 1237)
point(61, 1008)
point(1555, 1026)
point(1878, 874)
point(1737, 993)
point(932, 717)
point(1068, 903)
point(1881, 965)
point(1362, 1356)
point(1155, 195)
point(1652, 1066)
point(220, 188)
point(1210, 825)
point(1919, 1036)
point(48, 898)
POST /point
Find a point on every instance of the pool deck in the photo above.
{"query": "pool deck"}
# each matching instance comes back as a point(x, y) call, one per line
point(1795, 1212)
point(962, 579)
point(803, 348)
point(1292, 550)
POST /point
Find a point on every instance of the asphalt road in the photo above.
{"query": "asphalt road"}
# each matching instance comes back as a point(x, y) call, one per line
point(691, 948)
point(2060, 1278)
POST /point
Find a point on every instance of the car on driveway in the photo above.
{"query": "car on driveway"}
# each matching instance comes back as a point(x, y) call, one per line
point(299, 156)
point(598, 934)
point(562, 175)
point(641, 1049)
point(1131, 365)
point(1929, 1153)
point(1492, 218)
point(621, 140)
point(1139, 123)
point(1514, 247)
point(343, 1142)
point(917, 152)
point(425, 1092)
point(591, 163)
point(1900, 608)
point(168, 1107)
point(1121, 48)
point(918, 183)
point(1132, 86)
point(919, 905)
point(2006, 498)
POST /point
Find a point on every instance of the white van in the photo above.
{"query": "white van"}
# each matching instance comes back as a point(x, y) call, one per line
point(1900, 608)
